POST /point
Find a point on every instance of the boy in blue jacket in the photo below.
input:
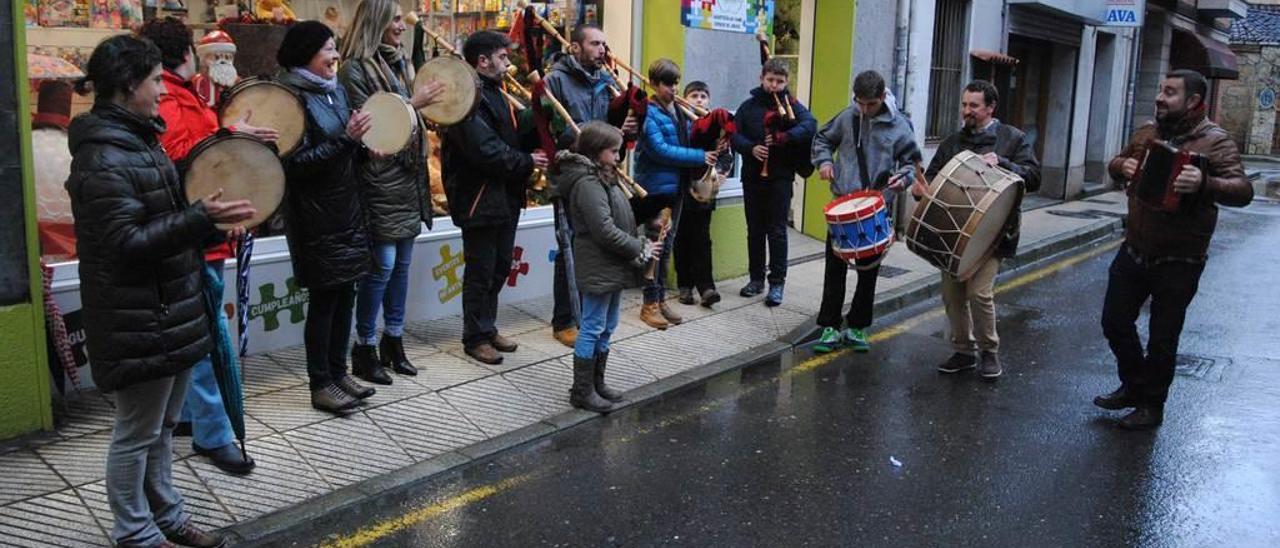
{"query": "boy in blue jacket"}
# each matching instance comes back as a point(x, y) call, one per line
point(782, 145)
point(662, 168)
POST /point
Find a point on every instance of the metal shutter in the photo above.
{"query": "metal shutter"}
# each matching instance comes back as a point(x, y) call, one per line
point(1043, 25)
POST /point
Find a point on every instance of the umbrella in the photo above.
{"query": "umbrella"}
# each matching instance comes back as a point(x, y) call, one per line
point(225, 368)
point(48, 67)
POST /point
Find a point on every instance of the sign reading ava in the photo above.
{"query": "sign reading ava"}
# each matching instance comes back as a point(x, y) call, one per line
point(744, 16)
point(1123, 13)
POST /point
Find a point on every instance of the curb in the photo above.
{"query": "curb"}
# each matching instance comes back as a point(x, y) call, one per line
point(274, 525)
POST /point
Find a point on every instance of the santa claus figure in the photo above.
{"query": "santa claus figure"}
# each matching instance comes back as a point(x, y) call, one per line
point(217, 53)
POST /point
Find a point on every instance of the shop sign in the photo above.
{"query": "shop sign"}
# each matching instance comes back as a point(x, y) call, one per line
point(744, 16)
point(1123, 13)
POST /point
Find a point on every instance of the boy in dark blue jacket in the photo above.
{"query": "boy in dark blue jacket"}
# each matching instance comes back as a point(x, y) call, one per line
point(774, 148)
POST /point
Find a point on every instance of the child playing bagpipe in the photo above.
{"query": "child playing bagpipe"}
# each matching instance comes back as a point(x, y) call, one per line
point(692, 251)
point(608, 254)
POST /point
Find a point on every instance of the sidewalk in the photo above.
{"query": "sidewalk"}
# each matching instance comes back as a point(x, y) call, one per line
point(456, 410)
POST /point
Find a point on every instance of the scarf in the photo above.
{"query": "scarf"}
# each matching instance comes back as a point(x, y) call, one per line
point(394, 73)
point(329, 84)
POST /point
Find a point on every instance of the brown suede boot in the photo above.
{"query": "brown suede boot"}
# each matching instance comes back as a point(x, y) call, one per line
point(652, 316)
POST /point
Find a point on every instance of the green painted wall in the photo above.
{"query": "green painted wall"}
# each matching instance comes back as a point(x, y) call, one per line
point(663, 35)
point(24, 379)
point(834, 24)
point(729, 242)
point(24, 389)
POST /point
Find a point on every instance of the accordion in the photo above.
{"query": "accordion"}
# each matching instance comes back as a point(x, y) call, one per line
point(1152, 184)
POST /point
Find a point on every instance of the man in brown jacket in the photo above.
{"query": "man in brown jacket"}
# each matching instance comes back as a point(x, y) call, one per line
point(1164, 252)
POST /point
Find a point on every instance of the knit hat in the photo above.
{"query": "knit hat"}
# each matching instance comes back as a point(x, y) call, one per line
point(301, 43)
point(215, 42)
point(53, 108)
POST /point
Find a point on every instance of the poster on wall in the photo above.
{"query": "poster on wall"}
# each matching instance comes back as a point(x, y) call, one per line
point(743, 16)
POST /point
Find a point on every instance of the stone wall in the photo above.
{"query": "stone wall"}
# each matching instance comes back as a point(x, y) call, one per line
point(1251, 126)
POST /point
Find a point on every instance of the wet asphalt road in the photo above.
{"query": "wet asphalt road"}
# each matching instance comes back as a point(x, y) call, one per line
point(801, 453)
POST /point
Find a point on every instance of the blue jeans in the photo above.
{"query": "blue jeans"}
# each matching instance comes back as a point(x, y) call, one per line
point(386, 286)
point(210, 427)
point(599, 319)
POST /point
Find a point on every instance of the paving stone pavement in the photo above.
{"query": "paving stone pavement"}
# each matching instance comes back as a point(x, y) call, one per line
point(52, 490)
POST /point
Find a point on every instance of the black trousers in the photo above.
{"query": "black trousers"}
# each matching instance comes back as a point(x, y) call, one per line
point(562, 310)
point(1171, 286)
point(327, 332)
point(833, 286)
point(693, 248)
point(487, 252)
point(766, 204)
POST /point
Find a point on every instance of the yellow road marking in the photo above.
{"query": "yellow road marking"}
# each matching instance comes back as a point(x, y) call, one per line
point(371, 534)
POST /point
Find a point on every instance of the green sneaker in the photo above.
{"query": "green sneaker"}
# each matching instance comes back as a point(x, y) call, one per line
point(828, 342)
point(857, 339)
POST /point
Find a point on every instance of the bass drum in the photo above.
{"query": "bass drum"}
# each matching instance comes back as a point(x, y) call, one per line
point(461, 94)
point(957, 222)
point(243, 166)
point(268, 104)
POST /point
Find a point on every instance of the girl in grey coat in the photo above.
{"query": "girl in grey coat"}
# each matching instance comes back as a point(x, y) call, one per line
point(608, 254)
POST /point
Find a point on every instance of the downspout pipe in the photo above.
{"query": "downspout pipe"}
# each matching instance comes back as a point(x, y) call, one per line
point(902, 35)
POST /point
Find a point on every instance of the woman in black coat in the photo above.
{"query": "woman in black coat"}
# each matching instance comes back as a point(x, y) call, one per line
point(323, 216)
point(140, 245)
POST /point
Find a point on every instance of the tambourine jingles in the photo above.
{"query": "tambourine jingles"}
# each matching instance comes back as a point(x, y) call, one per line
point(243, 166)
point(269, 104)
point(392, 123)
point(461, 94)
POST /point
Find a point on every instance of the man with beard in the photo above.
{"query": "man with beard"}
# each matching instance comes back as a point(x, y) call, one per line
point(217, 54)
point(579, 81)
point(188, 121)
point(1164, 252)
point(970, 305)
point(486, 172)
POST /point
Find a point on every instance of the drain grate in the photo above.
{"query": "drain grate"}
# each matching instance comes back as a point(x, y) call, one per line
point(1086, 214)
point(1201, 367)
point(887, 271)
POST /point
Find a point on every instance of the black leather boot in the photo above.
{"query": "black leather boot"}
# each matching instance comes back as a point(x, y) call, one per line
point(1116, 400)
point(1145, 417)
point(602, 360)
point(391, 349)
point(364, 364)
point(583, 394)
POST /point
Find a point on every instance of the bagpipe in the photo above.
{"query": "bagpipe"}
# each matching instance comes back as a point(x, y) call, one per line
point(781, 118)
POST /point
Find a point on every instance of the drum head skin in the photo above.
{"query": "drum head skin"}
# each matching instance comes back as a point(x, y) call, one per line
point(243, 167)
point(392, 123)
point(269, 105)
point(956, 224)
point(460, 91)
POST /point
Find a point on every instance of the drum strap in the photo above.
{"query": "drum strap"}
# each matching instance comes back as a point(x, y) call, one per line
point(862, 156)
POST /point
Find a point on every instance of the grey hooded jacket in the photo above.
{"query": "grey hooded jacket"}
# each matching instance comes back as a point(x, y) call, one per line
point(584, 94)
point(888, 143)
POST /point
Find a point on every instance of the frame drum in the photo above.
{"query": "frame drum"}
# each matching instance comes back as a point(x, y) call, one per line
point(392, 123)
point(269, 104)
point(244, 167)
point(461, 92)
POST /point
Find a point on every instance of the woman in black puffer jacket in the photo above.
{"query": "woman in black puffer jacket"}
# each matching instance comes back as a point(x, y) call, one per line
point(323, 216)
point(140, 244)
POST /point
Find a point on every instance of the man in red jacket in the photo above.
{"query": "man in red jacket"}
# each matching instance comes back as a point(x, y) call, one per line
point(188, 121)
point(1164, 251)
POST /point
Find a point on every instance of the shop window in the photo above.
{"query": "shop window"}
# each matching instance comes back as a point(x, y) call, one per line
point(946, 75)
